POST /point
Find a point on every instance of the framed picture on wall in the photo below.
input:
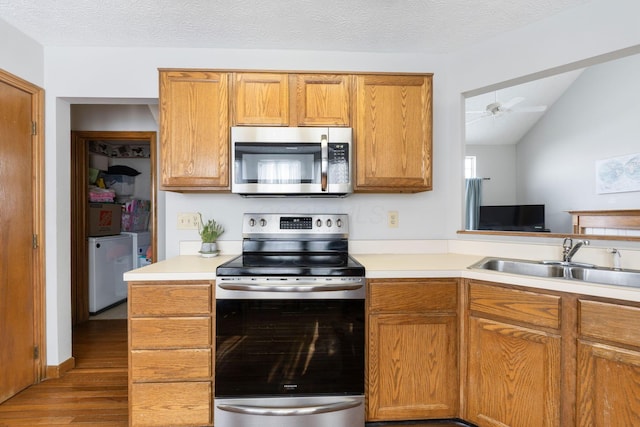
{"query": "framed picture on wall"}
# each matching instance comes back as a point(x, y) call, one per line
point(618, 174)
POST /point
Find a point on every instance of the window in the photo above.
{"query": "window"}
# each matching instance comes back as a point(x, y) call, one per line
point(470, 167)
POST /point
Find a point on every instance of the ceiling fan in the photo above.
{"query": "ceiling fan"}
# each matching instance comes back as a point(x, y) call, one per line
point(497, 109)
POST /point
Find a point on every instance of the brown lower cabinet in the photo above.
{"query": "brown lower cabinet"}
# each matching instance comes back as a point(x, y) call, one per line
point(514, 357)
point(541, 358)
point(608, 364)
point(412, 364)
point(171, 347)
point(489, 353)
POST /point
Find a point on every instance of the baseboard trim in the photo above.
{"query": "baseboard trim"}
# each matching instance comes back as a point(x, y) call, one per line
point(61, 369)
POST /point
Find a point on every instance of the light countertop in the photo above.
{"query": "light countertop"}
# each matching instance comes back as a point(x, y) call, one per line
point(390, 266)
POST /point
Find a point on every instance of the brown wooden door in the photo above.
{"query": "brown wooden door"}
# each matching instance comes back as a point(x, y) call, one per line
point(260, 99)
point(608, 380)
point(17, 314)
point(322, 99)
point(393, 133)
point(413, 349)
point(412, 366)
point(194, 130)
point(514, 375)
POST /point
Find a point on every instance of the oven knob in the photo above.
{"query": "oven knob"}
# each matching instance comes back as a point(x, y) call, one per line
point(252, 222)
point(329, 223)
point(263, 222)
point(319, 223)
point(338, 223)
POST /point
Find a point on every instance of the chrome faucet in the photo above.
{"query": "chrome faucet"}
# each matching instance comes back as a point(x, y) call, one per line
point(569, 249)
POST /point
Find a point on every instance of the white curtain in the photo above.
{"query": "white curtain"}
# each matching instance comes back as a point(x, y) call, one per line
point(473, 198)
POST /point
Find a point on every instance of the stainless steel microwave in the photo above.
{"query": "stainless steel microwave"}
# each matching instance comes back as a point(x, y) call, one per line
point(291, 161)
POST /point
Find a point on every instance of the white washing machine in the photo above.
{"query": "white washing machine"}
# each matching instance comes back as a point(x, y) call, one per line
point(141, 241)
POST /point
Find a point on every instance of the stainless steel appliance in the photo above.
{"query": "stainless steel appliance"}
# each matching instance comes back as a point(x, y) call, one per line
point(312, 161)
point(290, 326)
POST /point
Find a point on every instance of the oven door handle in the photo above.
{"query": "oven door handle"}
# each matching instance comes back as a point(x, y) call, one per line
point(292, 288)
point(290, 410)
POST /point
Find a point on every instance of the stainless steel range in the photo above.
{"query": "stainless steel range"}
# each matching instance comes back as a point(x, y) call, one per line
point(290, 326)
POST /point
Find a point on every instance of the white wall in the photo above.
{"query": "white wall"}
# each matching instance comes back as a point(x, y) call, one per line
point(73, 74)
point(498, 163)
point(595, 119)
point(20, 55)
point(576, 38)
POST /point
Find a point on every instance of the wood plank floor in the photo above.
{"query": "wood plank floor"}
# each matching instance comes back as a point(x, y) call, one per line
point(94, 393)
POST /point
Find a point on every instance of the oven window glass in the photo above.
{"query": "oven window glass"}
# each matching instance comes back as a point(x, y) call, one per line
point(289, 347)
point(286, 163)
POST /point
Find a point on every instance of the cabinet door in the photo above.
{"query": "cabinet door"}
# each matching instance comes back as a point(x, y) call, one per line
point(260, 99)
point(608, 379)
point(194, 130)
point(413, 366)
point(393, 133)
point(608, 365)
point(513, 375)
point(322, 99)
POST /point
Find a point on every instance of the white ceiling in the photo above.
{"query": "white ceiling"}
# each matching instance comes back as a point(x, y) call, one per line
point(426, 26)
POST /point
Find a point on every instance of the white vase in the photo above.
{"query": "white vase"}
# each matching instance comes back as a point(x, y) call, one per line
point(208, 248)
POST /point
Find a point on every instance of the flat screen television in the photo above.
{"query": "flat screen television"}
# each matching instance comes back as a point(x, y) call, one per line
point(512, 218)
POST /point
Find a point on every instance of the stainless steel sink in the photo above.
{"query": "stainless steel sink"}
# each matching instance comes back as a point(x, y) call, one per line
point(607, 276)
point(519, 266)
point(563, 270)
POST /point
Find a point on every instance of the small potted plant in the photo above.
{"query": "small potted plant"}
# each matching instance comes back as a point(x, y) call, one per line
point(209, 233)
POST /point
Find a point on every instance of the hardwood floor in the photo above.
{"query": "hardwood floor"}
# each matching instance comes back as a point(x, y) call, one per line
point(94, 393)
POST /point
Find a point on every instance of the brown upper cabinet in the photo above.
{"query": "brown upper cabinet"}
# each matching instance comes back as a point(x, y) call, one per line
point(391, 116)
point(194, 130)
point(268, 99)
point(322, 99)
point(393, 133)
point(260, 99)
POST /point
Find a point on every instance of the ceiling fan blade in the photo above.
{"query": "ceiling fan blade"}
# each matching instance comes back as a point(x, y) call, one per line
point(477, 119)
point(537, 109)
point(511, 103)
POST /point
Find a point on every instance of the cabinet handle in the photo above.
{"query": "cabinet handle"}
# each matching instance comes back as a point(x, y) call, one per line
point(290, 411)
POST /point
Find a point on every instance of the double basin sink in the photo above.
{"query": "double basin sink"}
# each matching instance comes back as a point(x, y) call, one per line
point(562, 270)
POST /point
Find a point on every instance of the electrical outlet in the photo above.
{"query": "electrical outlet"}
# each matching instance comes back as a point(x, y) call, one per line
point(393, 219)
point(188, 221)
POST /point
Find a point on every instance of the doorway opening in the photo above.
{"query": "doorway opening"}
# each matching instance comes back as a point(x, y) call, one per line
point(81, 144)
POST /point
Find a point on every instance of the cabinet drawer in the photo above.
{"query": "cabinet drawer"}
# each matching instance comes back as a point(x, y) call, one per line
point(160, 300)
point(522, 306)
point(610, 322)
point(157, 365)
point(412, 295)
point(173, 332)
point(171, 404)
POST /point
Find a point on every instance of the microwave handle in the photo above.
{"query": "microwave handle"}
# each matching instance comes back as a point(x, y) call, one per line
point(324, 161)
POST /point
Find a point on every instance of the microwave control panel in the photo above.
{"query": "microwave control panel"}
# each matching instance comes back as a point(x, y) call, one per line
point(338, 172)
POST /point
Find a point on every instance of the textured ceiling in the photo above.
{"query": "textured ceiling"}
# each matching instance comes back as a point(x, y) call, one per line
point(428, 26)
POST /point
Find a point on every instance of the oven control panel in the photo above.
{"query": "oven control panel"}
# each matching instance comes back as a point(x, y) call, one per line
point(286, 224)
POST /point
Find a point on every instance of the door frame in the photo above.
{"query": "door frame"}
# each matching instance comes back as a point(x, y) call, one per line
point(38, 218)
point(79, 212)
